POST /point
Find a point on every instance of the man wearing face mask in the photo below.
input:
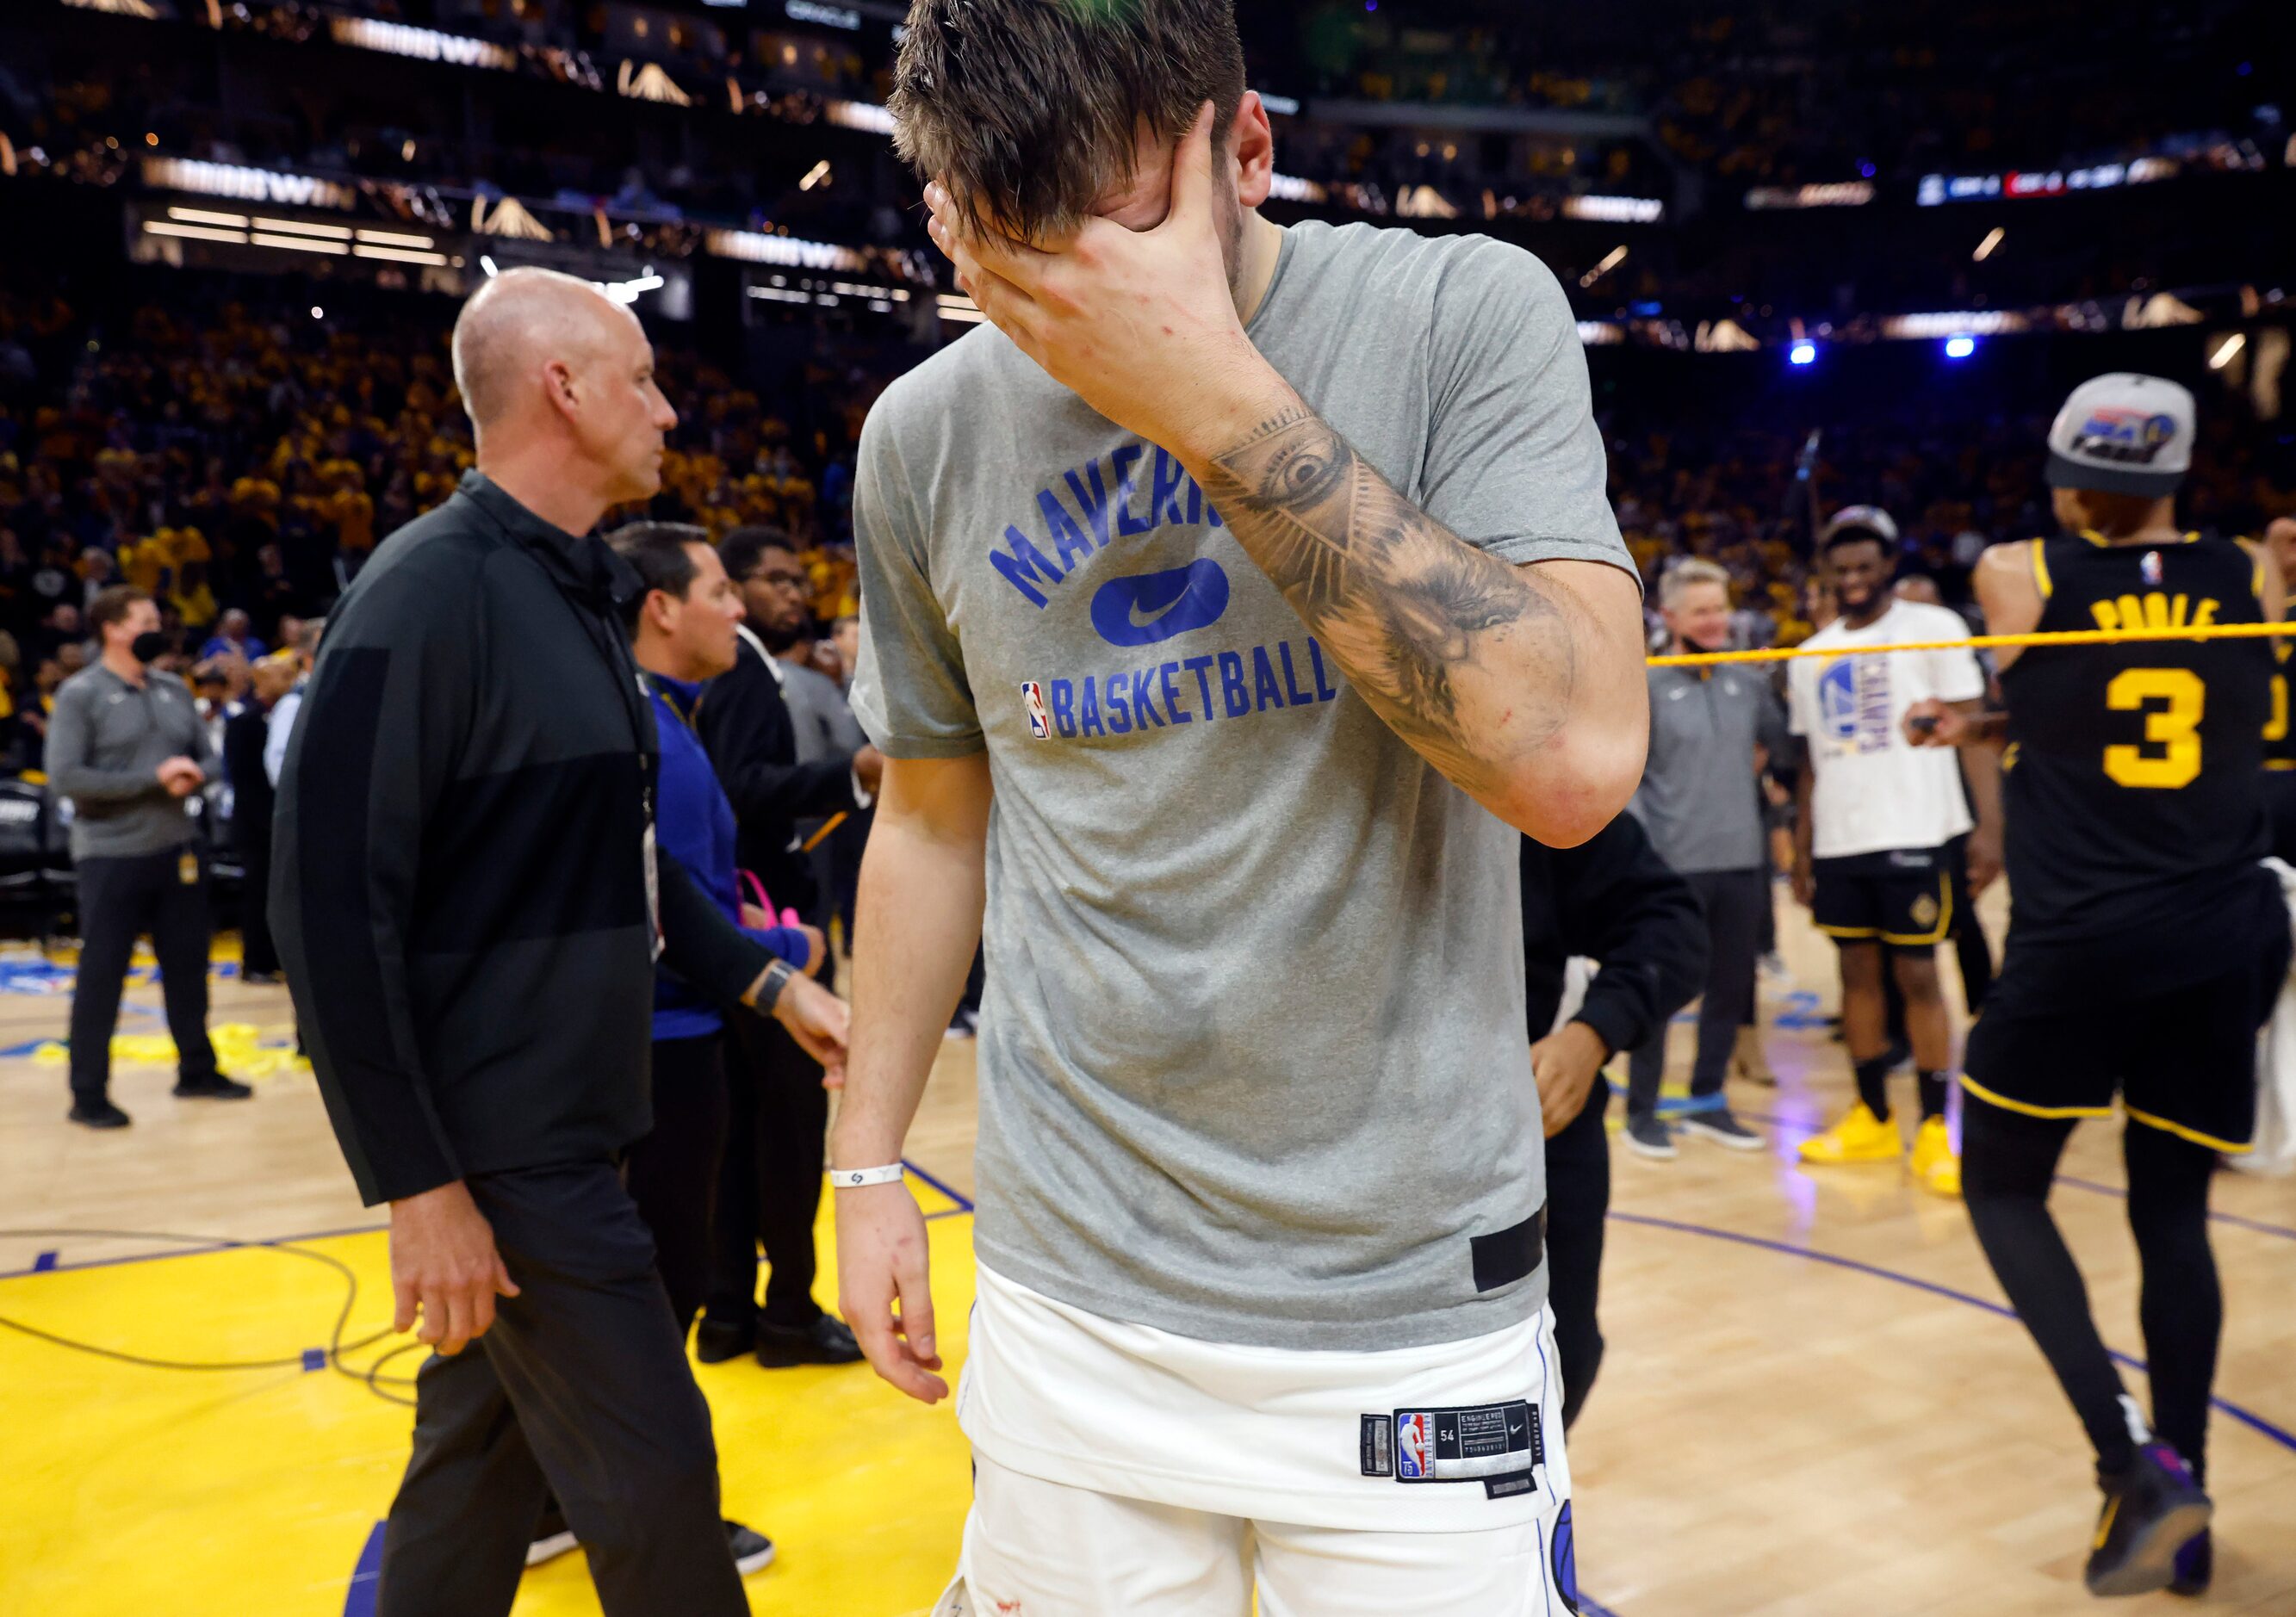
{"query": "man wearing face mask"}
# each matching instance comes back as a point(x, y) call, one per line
point(127, 746)
point(1700, 802)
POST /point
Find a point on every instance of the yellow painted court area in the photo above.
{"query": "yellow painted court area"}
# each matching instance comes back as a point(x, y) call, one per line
point(1812, 1404)
point(230, 1494)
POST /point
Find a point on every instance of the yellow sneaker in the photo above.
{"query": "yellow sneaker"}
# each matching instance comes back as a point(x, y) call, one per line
point(1858, 1137)
point(1934, 1164)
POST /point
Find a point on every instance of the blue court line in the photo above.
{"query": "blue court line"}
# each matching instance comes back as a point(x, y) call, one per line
point(48, 1262)
point(964, 1203)
point(2246, 1418)
point(2234, 1219)
point(358, 1601)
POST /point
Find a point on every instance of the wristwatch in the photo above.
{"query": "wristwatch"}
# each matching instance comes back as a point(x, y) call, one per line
point(770, 983)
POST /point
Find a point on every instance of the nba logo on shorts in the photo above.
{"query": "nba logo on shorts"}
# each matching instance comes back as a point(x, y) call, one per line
point(1413, 1454)
point(2151, 567)
point(1032, 696)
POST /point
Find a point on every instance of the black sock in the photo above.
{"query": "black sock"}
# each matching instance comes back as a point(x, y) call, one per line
point(1933, 1087)
point(2007, 1162)
point(2181, 1304)
point(1873, 1085)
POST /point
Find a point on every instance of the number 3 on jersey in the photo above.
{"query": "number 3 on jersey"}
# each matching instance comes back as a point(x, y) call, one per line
point(2175, 727)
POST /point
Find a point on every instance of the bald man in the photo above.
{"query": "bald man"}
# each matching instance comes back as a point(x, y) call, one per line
point(468, 905)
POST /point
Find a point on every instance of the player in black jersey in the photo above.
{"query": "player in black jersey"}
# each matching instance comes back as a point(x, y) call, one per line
point(2145, 942)
point(2279, 739)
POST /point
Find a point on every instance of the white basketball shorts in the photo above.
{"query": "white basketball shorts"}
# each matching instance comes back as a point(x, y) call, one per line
point(1122, 1469)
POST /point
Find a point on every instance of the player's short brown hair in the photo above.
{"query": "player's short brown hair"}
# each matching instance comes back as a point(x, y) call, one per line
point(1028, 111)
point(111, 603)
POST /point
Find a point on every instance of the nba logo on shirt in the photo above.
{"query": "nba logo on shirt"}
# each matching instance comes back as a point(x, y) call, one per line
point(1032, 696)
point(2151, 567)
point(1411, 1451)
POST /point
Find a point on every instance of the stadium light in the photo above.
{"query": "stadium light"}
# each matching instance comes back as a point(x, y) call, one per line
point(487, 263)
point(2228, 351)
point(1960, 348)
point(1993, 239)
point(317, 313)
point(1802, 354)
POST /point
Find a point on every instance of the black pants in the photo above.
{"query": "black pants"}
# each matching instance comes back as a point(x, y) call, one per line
point(581, 1390)
point(1734, 904)
point(257, 951)
point(1578, 1200)
point(672, 1173)
point(120, 899)
point(769, 1185)
point(2007, 1162)
point(1972, 949)
point(2280, 802)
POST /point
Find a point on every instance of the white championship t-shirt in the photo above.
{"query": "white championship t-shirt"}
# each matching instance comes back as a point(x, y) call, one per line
point(1875, 790)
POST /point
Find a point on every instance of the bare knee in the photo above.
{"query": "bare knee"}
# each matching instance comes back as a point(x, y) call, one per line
point(1917, 976)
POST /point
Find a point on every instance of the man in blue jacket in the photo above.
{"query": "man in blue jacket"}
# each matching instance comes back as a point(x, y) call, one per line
point(682, 632)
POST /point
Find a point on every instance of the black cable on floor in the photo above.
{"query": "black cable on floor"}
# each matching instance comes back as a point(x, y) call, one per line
point(370, 1377)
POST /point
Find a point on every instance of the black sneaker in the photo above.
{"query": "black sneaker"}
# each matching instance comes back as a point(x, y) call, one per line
point(965, 1023)
point(1648, 1137)
point(2152, 1512)
point(216, 1087)
point(550, 1546)
point(265, 977)
point(716, 1341)
point(2196, 1564)
point(826, 1341)
point(753, 1552)
point(1719, 1126)
point(98, 1114)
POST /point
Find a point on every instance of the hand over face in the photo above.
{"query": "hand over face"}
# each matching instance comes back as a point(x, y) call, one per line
point(1142, 325)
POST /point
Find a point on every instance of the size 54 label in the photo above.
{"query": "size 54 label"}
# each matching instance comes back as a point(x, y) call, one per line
point(1455, 1445)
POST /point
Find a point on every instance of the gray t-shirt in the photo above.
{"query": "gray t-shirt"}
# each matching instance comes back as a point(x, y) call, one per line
point(1252, 1066)
point(1700, 800)
point(105, 740)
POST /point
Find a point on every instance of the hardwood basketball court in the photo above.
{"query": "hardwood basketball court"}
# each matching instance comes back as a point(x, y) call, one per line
point(1814, 1404)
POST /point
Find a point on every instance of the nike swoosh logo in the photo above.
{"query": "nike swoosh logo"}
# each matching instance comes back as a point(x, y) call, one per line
point(1145, 608)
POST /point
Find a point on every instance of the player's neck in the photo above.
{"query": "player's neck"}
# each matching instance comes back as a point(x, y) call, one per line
point(2158, 532)
point(1263, 245)
point(1871, 616)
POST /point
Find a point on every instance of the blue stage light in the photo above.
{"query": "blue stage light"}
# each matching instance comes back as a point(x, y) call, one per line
point(1960, 348)
point(1802, 354)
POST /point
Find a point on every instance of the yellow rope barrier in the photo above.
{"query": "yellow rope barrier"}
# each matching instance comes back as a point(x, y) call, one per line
point(2067, 637)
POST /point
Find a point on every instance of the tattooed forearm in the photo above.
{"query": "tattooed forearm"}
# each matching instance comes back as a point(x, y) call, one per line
point(1466, 659)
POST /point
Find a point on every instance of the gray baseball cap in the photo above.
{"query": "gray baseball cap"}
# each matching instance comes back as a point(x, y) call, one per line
point(1861, 519)
point(2123, 434)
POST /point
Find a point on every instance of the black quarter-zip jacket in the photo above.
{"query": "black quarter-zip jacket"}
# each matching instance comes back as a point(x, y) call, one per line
point(458, 864)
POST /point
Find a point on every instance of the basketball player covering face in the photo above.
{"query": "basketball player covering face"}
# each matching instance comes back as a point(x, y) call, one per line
point(2145, 942)
point(1267, 573)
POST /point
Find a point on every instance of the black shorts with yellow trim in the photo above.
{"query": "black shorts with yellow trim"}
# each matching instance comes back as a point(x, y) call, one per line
point(2182, 1061)
point(1903, 897)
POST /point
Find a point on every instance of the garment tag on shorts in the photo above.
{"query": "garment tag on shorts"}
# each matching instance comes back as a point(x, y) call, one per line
point(187, 869)
point(1500, 1445)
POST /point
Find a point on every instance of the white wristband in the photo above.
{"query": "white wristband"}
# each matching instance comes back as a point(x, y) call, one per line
point(853, 1179)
